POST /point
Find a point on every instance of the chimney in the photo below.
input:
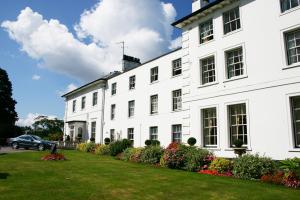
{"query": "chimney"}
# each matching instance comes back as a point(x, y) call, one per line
point(197, 4)
point(130, 62)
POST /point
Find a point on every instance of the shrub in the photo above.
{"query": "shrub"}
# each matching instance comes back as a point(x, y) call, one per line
point(238, 143)
point(151, 154)
point(92, 139)
point(81, 146)
point(276, 178)
point(173, 156)
point(221, 165)
point(155, 142)
point(107, 141)
point(68, 139)
point(90, 147)
point(192, 141)
point(119, 146)
point(102, 150)
point(195, 158)
point(147, 142)
point(291, 165)
point(252, 166)
point(132, 154)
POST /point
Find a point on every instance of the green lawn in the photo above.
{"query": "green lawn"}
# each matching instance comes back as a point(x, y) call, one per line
point(86, 176)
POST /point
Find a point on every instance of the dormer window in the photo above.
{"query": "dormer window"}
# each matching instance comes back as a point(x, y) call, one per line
point(231, 20)
point(206, 31)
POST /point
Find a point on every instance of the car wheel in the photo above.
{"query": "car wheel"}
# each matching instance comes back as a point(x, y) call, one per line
point(41, 147)
point(15, 145)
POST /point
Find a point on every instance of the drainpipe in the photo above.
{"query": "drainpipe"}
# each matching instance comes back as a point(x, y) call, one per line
point(102, 114)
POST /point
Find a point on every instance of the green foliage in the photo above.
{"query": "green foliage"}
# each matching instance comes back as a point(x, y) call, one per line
point(132, 154)
point(107, 141)
point(86, 147)
point(151, 154)
point(238, 143)
point(192, 141)
point(174, 156)
point(291, 165)
point(195, 158)
point(8, 115)
point(119, 146)
point(221, 165)
point(148, 142)
point(92, 139)
point(102, 150)
point(253, 166)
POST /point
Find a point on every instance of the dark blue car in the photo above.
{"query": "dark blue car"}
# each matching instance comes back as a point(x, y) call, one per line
point(30, 141)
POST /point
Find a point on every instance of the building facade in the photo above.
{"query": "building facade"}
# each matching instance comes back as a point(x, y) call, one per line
point(237, 76)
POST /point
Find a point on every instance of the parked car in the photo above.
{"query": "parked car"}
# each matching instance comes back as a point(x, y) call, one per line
point(30, 141)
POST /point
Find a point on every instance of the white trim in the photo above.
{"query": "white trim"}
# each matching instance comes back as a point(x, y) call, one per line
point(199, 78)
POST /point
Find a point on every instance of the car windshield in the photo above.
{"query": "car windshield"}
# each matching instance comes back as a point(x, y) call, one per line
point(36, 137)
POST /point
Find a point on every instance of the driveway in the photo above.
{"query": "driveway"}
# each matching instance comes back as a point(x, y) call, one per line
point(11, 150)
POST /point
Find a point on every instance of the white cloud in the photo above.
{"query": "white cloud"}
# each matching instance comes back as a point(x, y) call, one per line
point(30, 119)
point(69, 88)
point(36, 77)
point(144, 26)
point(176, 43)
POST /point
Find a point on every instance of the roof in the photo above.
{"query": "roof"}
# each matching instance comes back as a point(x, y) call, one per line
point(180, 23)
point(114, 74)
point(76, 121)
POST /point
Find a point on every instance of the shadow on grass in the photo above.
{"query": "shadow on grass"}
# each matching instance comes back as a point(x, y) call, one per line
point(2, 154)
point(3, 175)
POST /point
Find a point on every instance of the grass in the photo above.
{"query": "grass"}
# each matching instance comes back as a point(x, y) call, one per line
point(86, 176)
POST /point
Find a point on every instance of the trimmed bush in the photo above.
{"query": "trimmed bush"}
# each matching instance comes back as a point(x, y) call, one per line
point(119, 146)
point(102, 150)
point(147, 142)
point(221, 165)
point(291, 166)
point(132, 154)
point(196, 158)
point(155, 142)
point(192, 141)
point(92, 139)
point(174, 156)
point(252, 166)
point(151, 154)
point(107, 141)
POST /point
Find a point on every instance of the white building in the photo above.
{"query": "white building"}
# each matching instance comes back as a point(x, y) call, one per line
point(237, 75)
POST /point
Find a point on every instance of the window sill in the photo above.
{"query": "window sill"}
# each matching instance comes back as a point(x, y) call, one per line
point(175, 111)
point(131, 117)
point(153, 114)
point(232, 149)
point(151, 83)
point(289, 11)
point(177, 75)
point(212, 148)
point(291, 66)
point(232, 32)
point(203, 44)
point(208, 84)
point(133, 89)
point(113, 95)
point(236, 78)
point(295, 150)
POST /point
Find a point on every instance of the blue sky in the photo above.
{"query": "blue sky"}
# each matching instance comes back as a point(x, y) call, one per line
point(43, 96)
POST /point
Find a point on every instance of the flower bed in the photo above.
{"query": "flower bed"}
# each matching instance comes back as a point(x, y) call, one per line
point(55, 156)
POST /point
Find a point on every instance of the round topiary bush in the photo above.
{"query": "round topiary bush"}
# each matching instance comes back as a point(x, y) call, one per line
point(107, 141)
point(192, 141)
point(155, 142)
point(92, 139)
point(148, 142)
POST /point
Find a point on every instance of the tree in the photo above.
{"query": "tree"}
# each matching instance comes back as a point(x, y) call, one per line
point(49, 128)
point(8, 115)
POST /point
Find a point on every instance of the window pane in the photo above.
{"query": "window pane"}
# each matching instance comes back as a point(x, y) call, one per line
point(176, 133)
point(293, 46)
point(176, 100)
point(209, 127)
point(231, 20)
point(295, 101)
point(206, 31)
point(176, 67)
point(238, 123)
point(208, 70)
point(234, 63)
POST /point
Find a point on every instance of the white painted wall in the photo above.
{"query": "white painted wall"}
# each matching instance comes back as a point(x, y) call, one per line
point(265, 88)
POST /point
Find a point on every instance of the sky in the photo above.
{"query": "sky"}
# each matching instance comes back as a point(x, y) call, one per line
point(53, 46)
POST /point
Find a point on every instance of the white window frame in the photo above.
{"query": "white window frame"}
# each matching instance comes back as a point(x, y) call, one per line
point(112, 111)
point(95, 98)
point(176, 100)
point(132, 80)
point(201, 70)
point(173, 132)
point(228, 124)
point(176, 67)
point(154, 76)
point(74, 106)
point(202, 126)
point(201, 33)
point(130, 135)
point(153, 135)
point(290, 9)
point(113, 89)
point(93, 129)
point(131, 108)
point(153, 104)
point(223, 20)
point(245, 75)
point(285, 33)
point(291, 136)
